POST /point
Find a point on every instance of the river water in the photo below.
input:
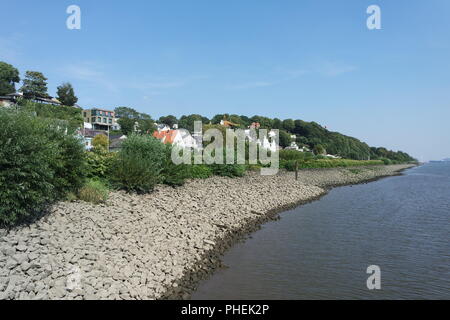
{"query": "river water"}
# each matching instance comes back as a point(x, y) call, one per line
point(322, 250)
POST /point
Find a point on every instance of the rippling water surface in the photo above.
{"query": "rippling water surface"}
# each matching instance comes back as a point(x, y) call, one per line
point(322, 250)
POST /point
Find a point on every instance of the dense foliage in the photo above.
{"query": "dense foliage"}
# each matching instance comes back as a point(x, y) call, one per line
point(71, 115)
point(295, 155)
point(99, 163)
point(100, 142)
point(173, 174)
point(94, 191)
point(228, 170)
point(290, 165)
point(9, 76)
point(169, 120)
point(285, 139)
point(39, 164)
point(132, 121)
point(289, 159)
point(139, 164)
point(319, 150)
point(66, 95)
point(34, 85)
point(200, 171)
point(311, 134)
point(187, 122)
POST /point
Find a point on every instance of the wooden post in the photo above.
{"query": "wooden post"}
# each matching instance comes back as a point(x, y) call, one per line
point(296, 170)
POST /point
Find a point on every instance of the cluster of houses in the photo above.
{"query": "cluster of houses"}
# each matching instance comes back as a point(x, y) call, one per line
point(184, 139)
point(102, 121)
point(11, 99)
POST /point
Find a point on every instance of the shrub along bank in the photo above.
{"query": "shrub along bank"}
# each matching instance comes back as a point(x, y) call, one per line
point(290, 165)
point(42, 161)
point(39, 164)
point(289, 159)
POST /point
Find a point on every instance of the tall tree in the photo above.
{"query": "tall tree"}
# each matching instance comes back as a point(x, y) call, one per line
point(187, 122)
point(170, 120)
point(34, 85)
point(288, 125)
point(219, 117)
point(277, 124)
point(146, 126)
point(130, 121)
point(319, 150)
point(66, 95)
point(9, 76)
point(285, 139)
point(126, 125)
point(266, 123)
point(126, 112)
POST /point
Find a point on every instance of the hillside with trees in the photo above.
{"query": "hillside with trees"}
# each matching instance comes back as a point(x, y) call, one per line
point(310, 134)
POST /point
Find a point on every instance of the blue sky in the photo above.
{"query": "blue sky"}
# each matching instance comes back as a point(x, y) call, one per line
point(313, 60)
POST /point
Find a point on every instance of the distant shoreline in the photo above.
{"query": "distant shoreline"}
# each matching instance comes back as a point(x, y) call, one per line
point(155, 246)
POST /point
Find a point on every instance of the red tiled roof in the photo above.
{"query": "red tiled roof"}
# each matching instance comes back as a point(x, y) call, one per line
point(166, 136)
point(227, 123)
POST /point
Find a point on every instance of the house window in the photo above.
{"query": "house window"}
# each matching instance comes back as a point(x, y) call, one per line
point(85, 115)
point(93, 119)
point(104, 120)
point(110, 121)
point(99, 119)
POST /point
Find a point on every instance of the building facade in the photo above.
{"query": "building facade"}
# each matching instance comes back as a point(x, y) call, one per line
point(100, 119)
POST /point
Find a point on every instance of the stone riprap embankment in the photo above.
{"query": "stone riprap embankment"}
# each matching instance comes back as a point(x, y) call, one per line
point(152, 246)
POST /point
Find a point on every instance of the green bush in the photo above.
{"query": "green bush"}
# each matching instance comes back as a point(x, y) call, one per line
point(253, 167)
point(39, 164)
point(200, 171)
point(69, 165)
point(139, 164)
point(100, 142)
point(327, 163)
point(71, 197)
point(99, 163)
point(228, 170)
point(289, 165)
point(94, 191)
point(295, 155)
point(71, 115)
point(173, 174)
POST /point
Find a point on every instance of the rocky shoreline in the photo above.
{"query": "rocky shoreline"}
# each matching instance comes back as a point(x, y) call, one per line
point(155, 246)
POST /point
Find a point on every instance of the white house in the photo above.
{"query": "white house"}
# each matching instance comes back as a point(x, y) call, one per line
point(265, 143)
point(179, 137)
point(270, 145)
